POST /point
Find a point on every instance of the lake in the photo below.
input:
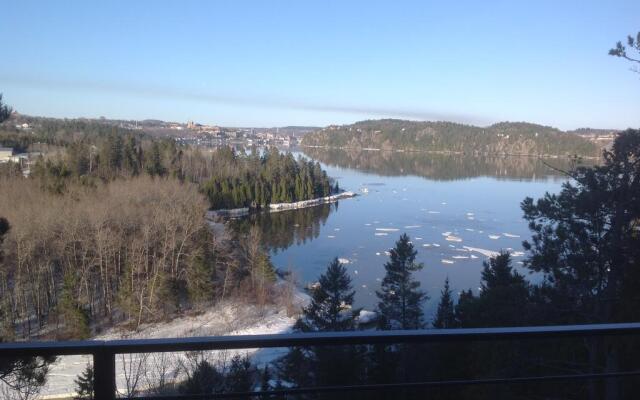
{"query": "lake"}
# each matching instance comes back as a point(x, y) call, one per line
point(456, 210)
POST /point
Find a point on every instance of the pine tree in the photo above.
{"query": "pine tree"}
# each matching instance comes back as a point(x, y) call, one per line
point(445, 315)
point(331, 302)
point(400, 305)
point(75, 318)
point(84, 384)
point(330, 310)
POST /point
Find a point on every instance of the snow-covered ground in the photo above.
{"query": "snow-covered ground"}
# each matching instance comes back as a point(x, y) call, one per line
point(222, 319)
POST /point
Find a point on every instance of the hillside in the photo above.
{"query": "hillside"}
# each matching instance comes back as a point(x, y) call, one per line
point(504, 138)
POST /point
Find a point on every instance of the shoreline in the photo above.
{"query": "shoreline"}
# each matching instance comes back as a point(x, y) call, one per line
point(276, 207)
point(451, 152)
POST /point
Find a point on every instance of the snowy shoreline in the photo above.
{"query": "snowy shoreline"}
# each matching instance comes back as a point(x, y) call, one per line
point(275, 207)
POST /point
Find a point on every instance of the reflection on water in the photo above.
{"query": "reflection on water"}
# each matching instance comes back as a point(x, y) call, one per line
point(456, 210)
point(283, 229)
point(444, 167)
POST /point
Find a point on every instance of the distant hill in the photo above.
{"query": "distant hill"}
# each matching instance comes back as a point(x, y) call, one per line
point(504, 138)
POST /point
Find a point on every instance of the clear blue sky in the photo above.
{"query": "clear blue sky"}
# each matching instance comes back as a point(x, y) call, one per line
point(268, 63)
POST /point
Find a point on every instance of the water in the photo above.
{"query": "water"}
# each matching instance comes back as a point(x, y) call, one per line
point(470, 201)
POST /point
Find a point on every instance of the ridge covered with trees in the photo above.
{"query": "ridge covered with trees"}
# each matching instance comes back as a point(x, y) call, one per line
point(504, 138)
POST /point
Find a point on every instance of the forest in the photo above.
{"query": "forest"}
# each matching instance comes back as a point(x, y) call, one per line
point(505, 138)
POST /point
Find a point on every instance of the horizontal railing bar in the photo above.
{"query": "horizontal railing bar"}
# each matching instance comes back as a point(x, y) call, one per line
point(396, 386)
point(127, 346)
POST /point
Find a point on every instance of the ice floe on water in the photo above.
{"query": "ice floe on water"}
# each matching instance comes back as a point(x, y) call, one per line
point(452, 246)
point(469, 229)
point(470, 214)
point(377, 253)
point(336, 229)
point(511, 235)
point(484, 252)
point(418, 238)
point(517, 253)
point(494, 237)
point(426, 245)
point(433, 212)
point(445, 261)
point(367, 224)
point(387, 253)
point(330, 236)
point(381, 234)
point(474, 256)
point(452, 238)
point(412, 226)
point(387, 229)
point(435, 244)
point(460, 257)
point(343, 260)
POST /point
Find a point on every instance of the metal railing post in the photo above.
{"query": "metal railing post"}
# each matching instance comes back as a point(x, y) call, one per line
point(104, 375)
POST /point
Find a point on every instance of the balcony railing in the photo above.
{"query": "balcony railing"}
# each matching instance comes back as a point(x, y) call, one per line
point(104, 353)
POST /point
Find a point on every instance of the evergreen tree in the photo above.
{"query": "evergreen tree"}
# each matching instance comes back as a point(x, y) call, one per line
point(76, 319)
point(329, 310)
point(401, 299)
point(504, 294)
point(445, 314)
point(84, 384)
point(585, 239)
point(154, 161)
point(330, 307)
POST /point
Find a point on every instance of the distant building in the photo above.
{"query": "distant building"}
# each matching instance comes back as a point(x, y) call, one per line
point(5, 154)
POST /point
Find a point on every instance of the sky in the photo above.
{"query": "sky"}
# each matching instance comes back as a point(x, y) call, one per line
point(315, 63)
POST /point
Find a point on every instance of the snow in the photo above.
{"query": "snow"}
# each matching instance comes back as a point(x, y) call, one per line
point(222, 319)
point(342, 260)
point(309, 203)
point(484, 252)
point(366, 316)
